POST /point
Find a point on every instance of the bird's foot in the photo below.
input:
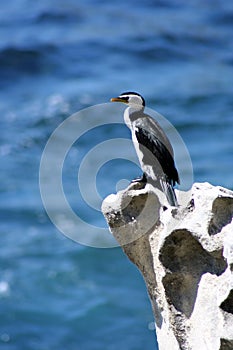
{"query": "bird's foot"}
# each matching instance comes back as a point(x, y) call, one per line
point(141, 179)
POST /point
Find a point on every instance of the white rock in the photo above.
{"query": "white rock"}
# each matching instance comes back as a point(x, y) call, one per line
point(185, 255)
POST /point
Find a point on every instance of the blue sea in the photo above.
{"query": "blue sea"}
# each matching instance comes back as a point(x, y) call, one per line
point(58, 58)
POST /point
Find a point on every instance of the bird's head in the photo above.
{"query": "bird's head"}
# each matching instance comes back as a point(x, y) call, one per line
point(132, 99)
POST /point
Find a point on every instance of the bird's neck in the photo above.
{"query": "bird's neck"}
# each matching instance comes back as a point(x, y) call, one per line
point(131, 114)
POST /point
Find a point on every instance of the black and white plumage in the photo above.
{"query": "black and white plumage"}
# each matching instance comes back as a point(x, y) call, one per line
point(153, 148)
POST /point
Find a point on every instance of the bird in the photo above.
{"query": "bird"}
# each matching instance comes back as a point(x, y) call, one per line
point(153, 148)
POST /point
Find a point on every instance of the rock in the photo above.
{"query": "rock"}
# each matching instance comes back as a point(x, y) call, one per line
point(185, 255)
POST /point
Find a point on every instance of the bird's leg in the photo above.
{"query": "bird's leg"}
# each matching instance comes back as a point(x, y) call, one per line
point(142, 179)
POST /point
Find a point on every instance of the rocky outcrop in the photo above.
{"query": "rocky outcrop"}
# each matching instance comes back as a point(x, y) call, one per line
point(185, 255)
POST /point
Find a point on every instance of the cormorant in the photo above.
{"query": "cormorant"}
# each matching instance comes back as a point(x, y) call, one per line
point(153, 148)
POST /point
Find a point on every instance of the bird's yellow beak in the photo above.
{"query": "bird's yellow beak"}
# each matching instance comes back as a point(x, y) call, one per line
point(118, 99)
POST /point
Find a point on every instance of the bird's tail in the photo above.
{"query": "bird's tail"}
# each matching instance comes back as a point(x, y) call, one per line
point(169, 192)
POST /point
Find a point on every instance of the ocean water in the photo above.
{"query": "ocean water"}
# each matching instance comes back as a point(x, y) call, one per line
point(57, 58)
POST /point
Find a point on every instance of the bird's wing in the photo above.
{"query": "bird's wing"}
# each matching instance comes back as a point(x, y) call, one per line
point(143, 120)
point(149, 141)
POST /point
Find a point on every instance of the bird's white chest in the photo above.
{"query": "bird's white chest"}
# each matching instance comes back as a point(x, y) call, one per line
point(136, 146)
point(132, 125)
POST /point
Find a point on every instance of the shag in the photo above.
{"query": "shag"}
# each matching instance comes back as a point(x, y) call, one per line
point(153, 148)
